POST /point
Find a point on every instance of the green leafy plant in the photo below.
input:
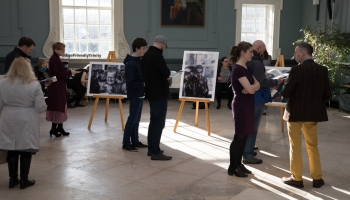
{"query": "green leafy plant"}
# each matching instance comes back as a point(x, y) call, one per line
point(331, 47)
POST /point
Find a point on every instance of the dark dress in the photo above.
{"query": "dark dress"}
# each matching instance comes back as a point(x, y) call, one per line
point(243, 104)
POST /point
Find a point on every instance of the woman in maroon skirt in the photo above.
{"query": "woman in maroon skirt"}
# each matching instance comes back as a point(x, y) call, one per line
point(56, 92)
point(244, 86)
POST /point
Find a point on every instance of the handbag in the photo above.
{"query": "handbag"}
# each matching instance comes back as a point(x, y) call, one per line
point(3, 155)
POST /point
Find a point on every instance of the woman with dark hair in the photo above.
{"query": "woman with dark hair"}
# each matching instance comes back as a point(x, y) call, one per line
point(244, 85)
point(56, 93)
point(223, 82)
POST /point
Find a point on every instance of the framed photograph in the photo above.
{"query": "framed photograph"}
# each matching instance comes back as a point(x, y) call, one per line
point(107, 78)
point(182, 12)
point(198, 79)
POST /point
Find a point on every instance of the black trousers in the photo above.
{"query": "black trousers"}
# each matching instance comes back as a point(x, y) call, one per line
point(78, 88)
point(220, 87)
point(12, 161)
point(236, 150)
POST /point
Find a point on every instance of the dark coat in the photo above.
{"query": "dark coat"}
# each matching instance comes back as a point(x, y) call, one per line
point(134, 77)
point(155, 73)
point(56, 92)
point(307, 91)
point(12, 55)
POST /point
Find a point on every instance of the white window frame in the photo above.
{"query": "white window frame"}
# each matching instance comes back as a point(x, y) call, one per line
point(120, 45)
point(278, 6)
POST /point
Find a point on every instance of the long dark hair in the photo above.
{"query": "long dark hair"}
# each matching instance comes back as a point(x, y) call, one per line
point(235, 51)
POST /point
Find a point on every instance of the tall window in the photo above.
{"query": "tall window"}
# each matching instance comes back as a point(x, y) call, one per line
point(87, 26)
point(259, 20)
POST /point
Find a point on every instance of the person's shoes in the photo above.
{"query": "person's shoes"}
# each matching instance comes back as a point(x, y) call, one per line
point(237, 172)
point(160, 156)
point(149, 153)
point(291, 182)
point(317, 183)
point(62, 131)
point(254, 154)
point(229, 106)
point(256, 147)
point(218, 106)
point(139, 145)
point(79, 105)
point(69, 105)
point(13, 182)
point(24, 183)
point(244, 169)
point(55, 133)
point(128, 147)
point(252, 161)
point(264, 113)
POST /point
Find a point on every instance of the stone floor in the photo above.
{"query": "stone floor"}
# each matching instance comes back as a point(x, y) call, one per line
point(90, 164)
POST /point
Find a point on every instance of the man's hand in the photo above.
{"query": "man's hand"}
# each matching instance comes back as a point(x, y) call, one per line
point(280, 80)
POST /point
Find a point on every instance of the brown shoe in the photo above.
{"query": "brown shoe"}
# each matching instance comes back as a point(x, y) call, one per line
point(291, 182)
point(317, 183)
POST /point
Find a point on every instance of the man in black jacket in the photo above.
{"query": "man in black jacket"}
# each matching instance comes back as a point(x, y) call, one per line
point(25, 47)
point(156, 75)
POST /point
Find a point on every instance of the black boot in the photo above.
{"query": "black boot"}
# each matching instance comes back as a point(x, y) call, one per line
point(26, 159)
point(12, 163)
point(54, 131)
point(236, 171)
point(61, 130)
point(218, 106)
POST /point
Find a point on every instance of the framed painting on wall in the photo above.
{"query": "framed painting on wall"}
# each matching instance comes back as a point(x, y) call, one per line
point(107, 78)
point(182, 12)
point(198, 79)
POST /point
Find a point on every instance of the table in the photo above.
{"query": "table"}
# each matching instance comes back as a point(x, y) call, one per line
point(282, 107)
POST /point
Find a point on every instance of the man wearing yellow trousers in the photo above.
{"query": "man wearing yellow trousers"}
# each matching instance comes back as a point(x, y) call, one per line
point(308, 92)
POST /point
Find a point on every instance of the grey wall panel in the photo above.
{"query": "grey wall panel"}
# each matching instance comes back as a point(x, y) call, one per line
point(9, 25)
point(5, 15)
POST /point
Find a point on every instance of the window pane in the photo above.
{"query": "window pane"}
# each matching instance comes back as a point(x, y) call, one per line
point(260, 12)
point(250, 38)
point(80, 31)
point(243, 37)
point(93, 32)
point(105, 16)
point(68, 16)
point(260, 26)
point(105, 47)
point(69, 46)
point(260, 37)
point(93, 16)
point(93, 47)
point(250, 25)
point(250, 12)
point(244, 12)
point(105, 3)
point(244, 26)
point(105, 32)
point(80, 2)
point(80, 16)
point(67, 2)
point(92, 3)
point(68, 31)
point(80, 46)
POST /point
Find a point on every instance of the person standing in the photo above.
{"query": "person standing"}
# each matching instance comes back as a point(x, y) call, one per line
point(223, 82)
point(25, 46)
point(308, 91)
point(262, 96)
point(244, 86)
point(21, 101)
point(135, 92)
point(156, 74)
point(56, 93)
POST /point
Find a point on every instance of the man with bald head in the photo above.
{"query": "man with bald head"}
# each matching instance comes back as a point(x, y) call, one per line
point(262, 96)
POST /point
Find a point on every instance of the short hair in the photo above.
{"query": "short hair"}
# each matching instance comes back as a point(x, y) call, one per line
point(306, 47)
point(21, 69)
point(58, 46)
point(223, 58)
point(138, 43)
point(26, 41)
point(41, 62)
point(235, 51)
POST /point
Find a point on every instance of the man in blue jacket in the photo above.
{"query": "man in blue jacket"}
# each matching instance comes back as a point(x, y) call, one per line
point(135, 92)
point(262, 96)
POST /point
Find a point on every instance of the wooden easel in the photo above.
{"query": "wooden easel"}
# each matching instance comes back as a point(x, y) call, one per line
point(110, 58)
point(280, 61)
point(183, 100)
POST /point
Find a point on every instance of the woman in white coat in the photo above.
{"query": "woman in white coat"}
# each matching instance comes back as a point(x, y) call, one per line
point(21, 101)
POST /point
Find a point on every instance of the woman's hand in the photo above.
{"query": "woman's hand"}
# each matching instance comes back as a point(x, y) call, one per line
point(219, 78)
point(73, 72)
point(244, 91)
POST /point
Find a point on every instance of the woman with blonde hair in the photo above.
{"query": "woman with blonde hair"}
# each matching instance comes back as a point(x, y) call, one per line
point(56, 93)
point(21, 99)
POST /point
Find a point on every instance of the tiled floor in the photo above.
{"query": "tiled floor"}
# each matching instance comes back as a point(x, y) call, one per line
point(90, 164)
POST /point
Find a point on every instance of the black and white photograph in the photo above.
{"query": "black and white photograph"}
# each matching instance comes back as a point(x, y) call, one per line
point(199, 75)
point(107, 78)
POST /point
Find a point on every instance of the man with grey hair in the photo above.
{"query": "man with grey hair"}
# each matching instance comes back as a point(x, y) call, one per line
point(156, 75)
point(262, 96)
point(308, 91)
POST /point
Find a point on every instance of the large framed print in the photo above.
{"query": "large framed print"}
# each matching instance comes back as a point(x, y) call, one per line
point(107, 78)
point(198, 79)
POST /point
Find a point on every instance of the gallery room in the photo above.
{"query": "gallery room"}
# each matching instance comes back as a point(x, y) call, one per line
point(174, 99)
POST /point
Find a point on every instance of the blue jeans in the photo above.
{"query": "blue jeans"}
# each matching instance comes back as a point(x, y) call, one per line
point(158, 115)
point(249, 146)
point(132, 125)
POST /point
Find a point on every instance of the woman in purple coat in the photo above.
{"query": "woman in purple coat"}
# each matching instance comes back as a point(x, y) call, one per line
point(56, 93)
point(244, 86)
